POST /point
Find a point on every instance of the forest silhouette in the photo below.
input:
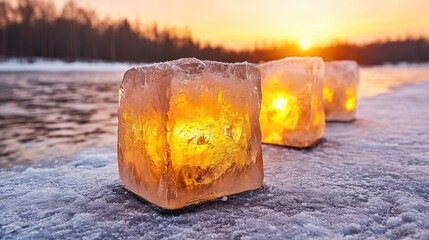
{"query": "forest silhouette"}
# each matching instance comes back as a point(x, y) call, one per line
point(36, 28)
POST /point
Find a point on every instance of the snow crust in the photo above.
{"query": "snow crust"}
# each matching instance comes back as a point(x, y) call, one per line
point(38, 65)
point(367, 179)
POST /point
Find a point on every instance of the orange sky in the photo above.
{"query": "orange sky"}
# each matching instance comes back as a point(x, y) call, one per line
point(240, 23)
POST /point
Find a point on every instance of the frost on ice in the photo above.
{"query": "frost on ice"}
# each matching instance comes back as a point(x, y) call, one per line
point(369, 178)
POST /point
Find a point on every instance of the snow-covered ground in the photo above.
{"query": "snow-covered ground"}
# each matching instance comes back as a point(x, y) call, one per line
point(367, 179)
point(42, 65)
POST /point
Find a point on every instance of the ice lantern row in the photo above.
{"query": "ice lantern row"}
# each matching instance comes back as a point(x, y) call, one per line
point(189, 131)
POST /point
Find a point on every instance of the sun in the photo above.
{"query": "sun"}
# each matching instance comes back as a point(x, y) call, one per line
point(305, 44)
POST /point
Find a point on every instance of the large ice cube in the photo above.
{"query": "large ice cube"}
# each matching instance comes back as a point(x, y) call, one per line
point(189, 131)
point(292, 104)
point(340, 90)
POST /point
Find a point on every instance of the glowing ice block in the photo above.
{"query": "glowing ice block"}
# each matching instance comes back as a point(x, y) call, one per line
point(340, 90)
point(292, 101)
point(189, 131)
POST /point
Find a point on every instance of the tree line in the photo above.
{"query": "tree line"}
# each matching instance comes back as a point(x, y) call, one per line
point(36, 28)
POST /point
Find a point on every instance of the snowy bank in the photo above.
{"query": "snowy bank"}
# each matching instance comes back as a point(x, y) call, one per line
point(367, 179)
point(38, 65)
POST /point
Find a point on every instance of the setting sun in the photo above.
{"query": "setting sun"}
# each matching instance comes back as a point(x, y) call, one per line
point(321, 22)
point(305, 44)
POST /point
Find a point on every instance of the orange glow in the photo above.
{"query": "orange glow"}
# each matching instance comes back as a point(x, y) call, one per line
point(283, 110)
point(350, 103)
point(340, 90)
point(292, 102)
point(280, 111)
point(328, 94)
point(275, 20)
point(204, 137)
point(305, 44)
point(198, 142)
point(280, 103)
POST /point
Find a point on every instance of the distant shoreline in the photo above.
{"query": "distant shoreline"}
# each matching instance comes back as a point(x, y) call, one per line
point(45, 64)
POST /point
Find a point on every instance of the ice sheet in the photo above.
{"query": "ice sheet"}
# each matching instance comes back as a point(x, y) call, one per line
point(369, 178)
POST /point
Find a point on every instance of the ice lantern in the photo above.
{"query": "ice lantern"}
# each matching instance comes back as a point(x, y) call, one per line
point(340, 90)
point(292, 101)
point(189, 131)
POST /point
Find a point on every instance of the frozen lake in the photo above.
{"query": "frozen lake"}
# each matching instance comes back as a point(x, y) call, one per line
point(58, 171)
point(49, 114)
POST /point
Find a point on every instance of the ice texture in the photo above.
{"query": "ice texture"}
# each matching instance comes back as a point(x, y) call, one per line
point(292, 104)
point(48, 65)
point(367, 180)
point(189, 131)
point(340, 90)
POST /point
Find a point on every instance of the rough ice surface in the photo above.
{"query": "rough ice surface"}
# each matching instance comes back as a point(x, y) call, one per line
point(189, 131)
point(292, 101)
point(340, 90)
point(43, 65)
point(367, 179)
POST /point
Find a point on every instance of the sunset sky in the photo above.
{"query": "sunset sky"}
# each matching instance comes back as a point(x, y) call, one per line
point(240, 23)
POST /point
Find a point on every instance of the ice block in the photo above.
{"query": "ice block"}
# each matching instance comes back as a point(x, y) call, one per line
point(340, 90)
point(189, 131)
point(292, 101)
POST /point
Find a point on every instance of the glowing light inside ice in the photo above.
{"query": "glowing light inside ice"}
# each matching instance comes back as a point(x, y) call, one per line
point(328, 94)
point(292, 111)
point(189, 131)
point(206, 139)
point(280, 111)
point(351, 100)
point(340, 90)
